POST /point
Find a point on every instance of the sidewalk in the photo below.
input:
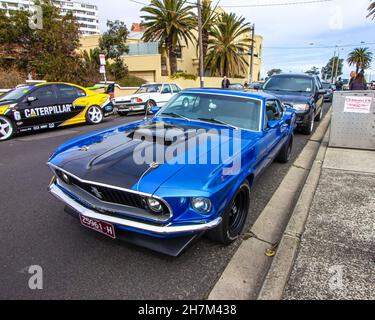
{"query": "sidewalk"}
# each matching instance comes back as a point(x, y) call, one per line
point(336, 256)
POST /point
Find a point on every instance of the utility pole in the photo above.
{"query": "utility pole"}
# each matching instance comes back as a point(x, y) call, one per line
point(201, 62)
point(333, 65)
point(338, 63)
point(252, 54)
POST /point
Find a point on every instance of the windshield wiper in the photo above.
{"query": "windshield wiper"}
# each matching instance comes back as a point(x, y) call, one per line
point(217, 121)
point(176, 115)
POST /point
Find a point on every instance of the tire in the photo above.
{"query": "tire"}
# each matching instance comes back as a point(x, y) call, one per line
point(319, 117)
point(94, 115)
point(310, 127)
point(6, 128)
point(234, 217)
point(122, 113)
point(285, 152)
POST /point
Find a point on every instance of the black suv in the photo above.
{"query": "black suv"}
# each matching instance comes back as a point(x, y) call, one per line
point(303, 92)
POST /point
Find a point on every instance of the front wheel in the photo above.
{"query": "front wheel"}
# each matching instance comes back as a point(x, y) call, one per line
point(234, 217)
point(285, 152)
point(6, 128)
point(310, 127)
point(94, 115)
point(319, 117)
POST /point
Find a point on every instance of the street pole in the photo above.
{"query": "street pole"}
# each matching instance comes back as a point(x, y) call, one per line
point(333, 65)
point(201, 62)
point(338, 63)
point(252, 55)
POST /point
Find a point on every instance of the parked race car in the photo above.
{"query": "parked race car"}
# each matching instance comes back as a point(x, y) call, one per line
point(304, 92)
point(147, 96)
point(50, 105)
point(165, 205)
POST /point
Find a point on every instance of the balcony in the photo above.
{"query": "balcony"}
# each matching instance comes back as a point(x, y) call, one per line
point(141, 49)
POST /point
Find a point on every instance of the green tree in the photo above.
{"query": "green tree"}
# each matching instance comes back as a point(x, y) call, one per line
point(371, 10)
point(314, 71)
point(209, 19)
point(170, 22)
point(274, 71)
point(361, 58)
point(113, 44)
point(330, 69)
point(51, 51)
point(228, 41)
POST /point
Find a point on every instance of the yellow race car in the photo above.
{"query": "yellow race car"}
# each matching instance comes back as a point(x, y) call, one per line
point(50, 105)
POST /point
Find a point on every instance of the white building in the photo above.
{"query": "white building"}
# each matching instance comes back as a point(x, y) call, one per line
point(86, 13)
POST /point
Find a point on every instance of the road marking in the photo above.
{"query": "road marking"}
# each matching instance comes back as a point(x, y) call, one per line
point(47, 135)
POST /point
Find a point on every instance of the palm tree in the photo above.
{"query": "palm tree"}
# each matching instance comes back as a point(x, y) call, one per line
point(209, 19)
point(361, 58)
point(170, 22)
point(371, 10)
point(228, 41)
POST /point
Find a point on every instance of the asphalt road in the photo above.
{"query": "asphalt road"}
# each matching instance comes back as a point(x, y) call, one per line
point(81, 264)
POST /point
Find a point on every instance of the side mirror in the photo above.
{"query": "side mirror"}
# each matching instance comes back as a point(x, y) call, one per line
point(272, 124)
point(257, 87)
point(31, 99)
point(155, 109)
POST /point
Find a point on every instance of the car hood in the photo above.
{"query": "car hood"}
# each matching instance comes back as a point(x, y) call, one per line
point(292, 97)
point(112, 157)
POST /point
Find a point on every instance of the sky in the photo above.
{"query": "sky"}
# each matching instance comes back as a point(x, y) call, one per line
point(293, 35)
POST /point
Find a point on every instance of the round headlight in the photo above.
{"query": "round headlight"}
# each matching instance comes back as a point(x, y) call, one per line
point(155, 205)
point(65, 178)
point(202, 205)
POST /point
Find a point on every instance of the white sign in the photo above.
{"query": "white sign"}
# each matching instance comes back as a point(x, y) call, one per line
point(102, 59)
point(358, 104)
point(102, 69)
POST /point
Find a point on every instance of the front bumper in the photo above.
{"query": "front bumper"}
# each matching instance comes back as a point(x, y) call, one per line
point(131, 224)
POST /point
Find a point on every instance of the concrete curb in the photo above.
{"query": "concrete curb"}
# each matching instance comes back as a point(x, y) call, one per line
point(282, 264)
point(244, 275)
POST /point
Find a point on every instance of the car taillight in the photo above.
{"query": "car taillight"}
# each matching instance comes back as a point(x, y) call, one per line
point(139, 100)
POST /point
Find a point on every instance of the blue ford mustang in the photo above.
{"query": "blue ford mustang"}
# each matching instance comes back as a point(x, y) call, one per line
point(188, 170)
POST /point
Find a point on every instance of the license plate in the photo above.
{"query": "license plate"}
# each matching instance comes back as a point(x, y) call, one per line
point(99, 226)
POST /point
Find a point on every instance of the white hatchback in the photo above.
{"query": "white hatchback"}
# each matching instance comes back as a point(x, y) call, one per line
point(147, 96)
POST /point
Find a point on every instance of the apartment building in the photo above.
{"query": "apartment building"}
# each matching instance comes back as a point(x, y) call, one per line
point(86, 13)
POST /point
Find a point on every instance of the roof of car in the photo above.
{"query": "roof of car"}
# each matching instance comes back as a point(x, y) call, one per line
point(241, 94)
point(293, 75)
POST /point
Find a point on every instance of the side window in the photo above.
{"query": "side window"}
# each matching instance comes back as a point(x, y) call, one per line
point(65, 91)
point(167, 89)
point(175, 88)
point(44, 93)
point(274, 110)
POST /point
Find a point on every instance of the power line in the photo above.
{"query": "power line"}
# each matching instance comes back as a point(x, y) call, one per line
point(321, 47)
point(276, 4)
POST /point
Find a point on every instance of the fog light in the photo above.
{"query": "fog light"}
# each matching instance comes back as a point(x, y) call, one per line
point(155, 205)
point(201, 205)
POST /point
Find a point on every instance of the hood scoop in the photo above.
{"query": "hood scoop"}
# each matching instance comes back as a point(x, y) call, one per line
point(162, 133)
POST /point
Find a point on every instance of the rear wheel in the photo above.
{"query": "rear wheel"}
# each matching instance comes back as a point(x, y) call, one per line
point(234, 217)
point(6, 128)
point(94, 115)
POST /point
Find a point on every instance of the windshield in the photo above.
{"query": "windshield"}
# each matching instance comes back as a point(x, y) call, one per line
point(227, 110)
point(15, 94)
point(289, 83)
point(151, 88)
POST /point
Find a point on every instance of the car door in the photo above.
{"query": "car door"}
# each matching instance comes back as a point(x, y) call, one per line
point(319, 95)
point(165, 94)
point(67, 96)
point(37, 110)
point(275, 128)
